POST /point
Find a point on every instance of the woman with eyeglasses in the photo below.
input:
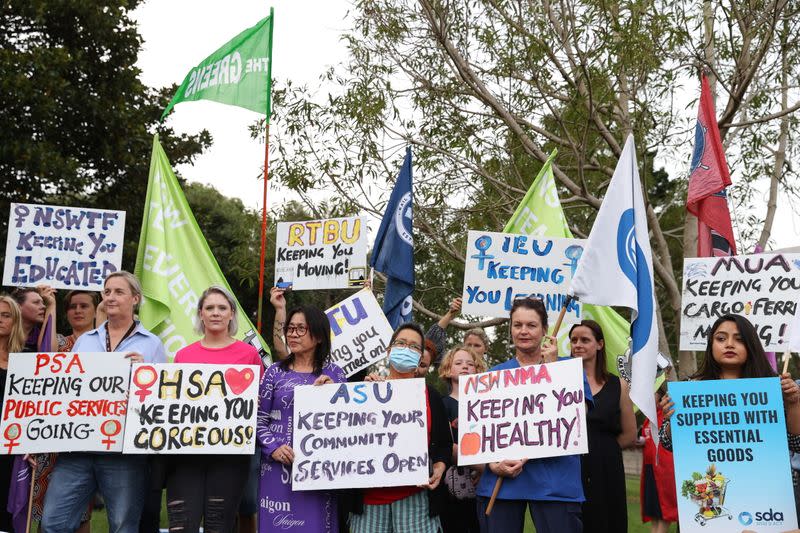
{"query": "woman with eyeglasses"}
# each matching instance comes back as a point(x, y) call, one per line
point(407, 509)
point(550, 488)
point(308, 338)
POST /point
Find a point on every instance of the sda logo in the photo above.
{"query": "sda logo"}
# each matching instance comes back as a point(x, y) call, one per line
point(746, 518)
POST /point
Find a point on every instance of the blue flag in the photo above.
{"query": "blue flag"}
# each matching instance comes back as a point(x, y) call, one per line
point(393, 254)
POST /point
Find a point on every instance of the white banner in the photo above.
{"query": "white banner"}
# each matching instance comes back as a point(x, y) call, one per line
point(65, 247)
point(192, 408)
point(522, 413)
point(360, 332)
point(501, 267)
point(64, 402)
point(359, 435)
point(764, 288)
point(321, 254)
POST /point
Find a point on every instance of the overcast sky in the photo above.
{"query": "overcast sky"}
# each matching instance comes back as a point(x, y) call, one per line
point(178, 34)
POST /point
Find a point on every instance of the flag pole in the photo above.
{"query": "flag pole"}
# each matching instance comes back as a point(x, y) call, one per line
point(266, 179)
point(499, 482)
point(263, 232)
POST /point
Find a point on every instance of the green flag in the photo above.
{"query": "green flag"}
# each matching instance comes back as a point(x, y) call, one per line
point(175, 264)
point(239, 73)
point(540, 214)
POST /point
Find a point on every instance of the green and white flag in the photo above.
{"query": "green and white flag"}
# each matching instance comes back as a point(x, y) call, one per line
point(175, 264)
point(540, 214)
point(239, 73)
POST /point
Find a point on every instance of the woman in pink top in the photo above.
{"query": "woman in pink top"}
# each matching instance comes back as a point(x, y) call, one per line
point(210, 486)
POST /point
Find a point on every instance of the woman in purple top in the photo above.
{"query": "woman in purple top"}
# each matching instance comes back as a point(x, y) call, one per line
point(308, 335)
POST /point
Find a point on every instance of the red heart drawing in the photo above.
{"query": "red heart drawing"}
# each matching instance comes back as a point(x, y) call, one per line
point(238, 380)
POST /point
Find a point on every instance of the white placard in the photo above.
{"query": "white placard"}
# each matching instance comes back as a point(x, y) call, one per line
point(65, 402)
point(764, 288)
point(192, 408)
point(321, 254)
point(359, 435)
point(360, 332)
point(501, 267)
point(64, 247)
point(528, 412)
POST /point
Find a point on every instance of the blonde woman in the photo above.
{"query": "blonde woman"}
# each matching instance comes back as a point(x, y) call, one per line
point(12, 339)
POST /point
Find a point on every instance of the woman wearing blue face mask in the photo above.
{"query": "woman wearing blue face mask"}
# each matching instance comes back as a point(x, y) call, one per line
point(407, 509)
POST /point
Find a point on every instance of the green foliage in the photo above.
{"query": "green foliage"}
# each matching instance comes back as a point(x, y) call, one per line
point(77, 123)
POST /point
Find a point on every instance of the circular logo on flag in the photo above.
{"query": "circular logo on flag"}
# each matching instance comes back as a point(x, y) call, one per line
point(403, 218)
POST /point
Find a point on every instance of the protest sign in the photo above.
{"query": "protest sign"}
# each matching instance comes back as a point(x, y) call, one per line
point(192, 408)
point(360, 332)
point(526, 412)
point(765, 288)
point(501, 267)
point(729, 438)
point(359, 435)
point(321, 254)
point(64, 247)
point(64, 402)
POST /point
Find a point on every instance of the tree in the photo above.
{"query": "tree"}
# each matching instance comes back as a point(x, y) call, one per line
point(484, 89)
point(77, 123)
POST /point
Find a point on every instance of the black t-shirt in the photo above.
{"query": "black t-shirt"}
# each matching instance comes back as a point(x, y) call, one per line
point(451, 408)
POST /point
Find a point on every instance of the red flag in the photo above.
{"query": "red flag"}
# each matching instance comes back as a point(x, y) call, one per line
point(708, 178)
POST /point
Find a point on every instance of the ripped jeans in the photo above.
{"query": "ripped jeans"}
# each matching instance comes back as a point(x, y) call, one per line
point(205, 488)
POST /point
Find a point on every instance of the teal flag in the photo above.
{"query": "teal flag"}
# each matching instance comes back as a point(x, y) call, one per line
point(175, 264)
point(239, 73)
point(540, 214)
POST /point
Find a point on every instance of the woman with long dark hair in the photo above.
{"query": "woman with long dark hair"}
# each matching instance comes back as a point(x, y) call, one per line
point(308, 338)
point(734, 351)
point(611, 427)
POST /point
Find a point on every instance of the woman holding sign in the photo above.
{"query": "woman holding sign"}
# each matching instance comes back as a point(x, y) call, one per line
point(121, 479)
point(611, 426)
point(734, 351)
point(207, 488)
point(550, 487)
point(12, 339)
point(408, 508)
point(308, 337)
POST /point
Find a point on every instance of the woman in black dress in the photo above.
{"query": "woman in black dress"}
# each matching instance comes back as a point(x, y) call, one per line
point(611, 427)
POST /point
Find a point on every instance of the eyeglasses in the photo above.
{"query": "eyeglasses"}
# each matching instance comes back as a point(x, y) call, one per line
point(400, 343)
point(300, 330)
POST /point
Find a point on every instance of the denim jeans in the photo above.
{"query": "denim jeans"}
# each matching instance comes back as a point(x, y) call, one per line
point(120, 479)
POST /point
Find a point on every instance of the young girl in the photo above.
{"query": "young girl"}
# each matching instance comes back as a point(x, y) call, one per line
point(734, 351)
point(459, 515)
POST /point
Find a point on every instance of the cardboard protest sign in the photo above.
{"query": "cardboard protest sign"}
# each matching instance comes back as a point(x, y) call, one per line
point(527, 412)
point(501, 267)
point(358, 435)
point(360, 332)
point(64, 402)
point(65, 247)
point(729, 438)
point(321, 254)
point(765, 288)
point(192, 408)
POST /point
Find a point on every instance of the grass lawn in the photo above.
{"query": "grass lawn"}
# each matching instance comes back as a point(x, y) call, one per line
point(100, 525)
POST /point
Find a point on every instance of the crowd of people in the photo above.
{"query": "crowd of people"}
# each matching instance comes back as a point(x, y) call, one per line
point(224, 492)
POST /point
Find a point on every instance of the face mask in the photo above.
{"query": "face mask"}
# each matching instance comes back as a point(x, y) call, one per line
point(404, 359)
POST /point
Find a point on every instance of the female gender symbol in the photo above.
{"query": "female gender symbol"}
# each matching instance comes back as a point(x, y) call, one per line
point(110, 428)
point(144, 377)
point(12, 433)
